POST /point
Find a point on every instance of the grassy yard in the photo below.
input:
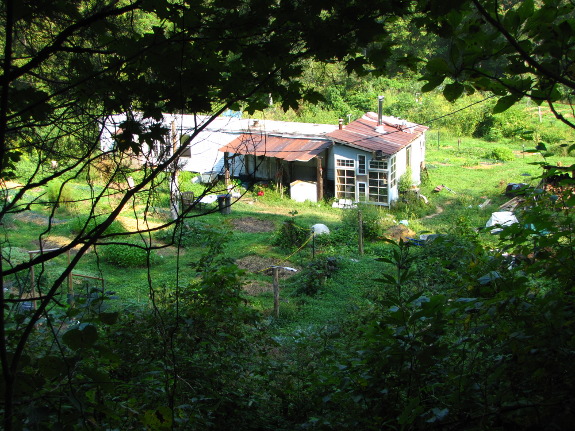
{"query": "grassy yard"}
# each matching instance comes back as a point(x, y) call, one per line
point(475, 188)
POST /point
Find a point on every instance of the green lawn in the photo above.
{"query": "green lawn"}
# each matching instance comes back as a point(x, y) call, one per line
point(254, 222)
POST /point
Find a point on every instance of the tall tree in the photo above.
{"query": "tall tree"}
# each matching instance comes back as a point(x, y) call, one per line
point(514, 49)
point(68, 65)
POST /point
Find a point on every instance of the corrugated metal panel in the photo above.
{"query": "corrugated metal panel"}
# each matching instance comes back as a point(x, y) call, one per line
point(282, 147)
point(389, 138)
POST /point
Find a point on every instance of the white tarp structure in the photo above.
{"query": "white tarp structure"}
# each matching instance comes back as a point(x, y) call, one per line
point(203, 153)
point(501, 218)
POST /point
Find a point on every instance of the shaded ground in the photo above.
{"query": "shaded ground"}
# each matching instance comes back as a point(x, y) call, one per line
point(132, 224)
point(259, 265)
point(253, 224)
point(35, 218)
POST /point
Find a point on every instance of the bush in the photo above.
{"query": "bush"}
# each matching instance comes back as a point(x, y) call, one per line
point(130, 254)
point(313, 277)
point(376, 220)
point(411, 206)
point(291, 235)
point(503, 154)
point(560, 150)
point(554, 134)
point(406, 180)
point(77, 224)
point(59, 193)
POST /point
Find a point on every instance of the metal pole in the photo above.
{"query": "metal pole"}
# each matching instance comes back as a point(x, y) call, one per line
point(313, 245)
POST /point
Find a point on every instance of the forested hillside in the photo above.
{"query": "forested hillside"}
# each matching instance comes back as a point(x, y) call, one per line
point(122, 308)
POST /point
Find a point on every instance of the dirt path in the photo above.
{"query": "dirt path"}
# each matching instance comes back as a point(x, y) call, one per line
point(437, 212)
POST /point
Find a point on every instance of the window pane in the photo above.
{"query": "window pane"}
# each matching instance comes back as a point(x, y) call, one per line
point(345, 184)
point(378, 187)
point(362, 192)
point(345, 163)
point(361, 160)
point(378, 164)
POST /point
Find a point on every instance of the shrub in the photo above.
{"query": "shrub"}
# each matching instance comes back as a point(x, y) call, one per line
point(376, 220)
point(291, 235)
point(406, 180)
point(560, 150)
point(554, 133)
point(503, 154)
point(338, 239)
point(77, 224)
point(411, 206)
point(493, 135)
point(59, 193)
point(313, 277)
point(186, 185)
point(132, 253)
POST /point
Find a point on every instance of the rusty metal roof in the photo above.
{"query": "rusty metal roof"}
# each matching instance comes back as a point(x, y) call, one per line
point(282, 147)
point(364, 133)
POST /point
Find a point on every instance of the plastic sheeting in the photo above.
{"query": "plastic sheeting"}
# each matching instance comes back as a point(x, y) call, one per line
point(501, 218)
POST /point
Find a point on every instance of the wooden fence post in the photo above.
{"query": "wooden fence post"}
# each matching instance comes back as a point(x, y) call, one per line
point(276, 292)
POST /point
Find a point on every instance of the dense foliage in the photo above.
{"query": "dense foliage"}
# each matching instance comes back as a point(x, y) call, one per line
point(462, 333)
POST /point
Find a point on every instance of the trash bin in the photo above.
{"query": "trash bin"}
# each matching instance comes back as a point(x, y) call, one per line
point(224, 204)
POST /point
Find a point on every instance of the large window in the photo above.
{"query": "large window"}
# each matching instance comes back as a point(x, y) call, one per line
point(345, 179)
point(392, 179)
point(378, 187)
point(361, 164)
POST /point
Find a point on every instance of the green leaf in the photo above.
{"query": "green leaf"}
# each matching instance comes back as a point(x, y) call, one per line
point(504, 103)
point(109, 318)
point(432, 83)
point(437, 66)
point(387, 279)
point(511, 20)
point(526, 9)
point(453, 91)
point(158, 419)
point(52, 366)
point(77, 338)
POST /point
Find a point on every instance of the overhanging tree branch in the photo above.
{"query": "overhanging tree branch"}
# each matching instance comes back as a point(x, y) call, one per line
point(529, 59)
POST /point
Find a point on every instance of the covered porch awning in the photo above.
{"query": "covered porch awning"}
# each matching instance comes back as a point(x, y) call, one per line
point(281, 147)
